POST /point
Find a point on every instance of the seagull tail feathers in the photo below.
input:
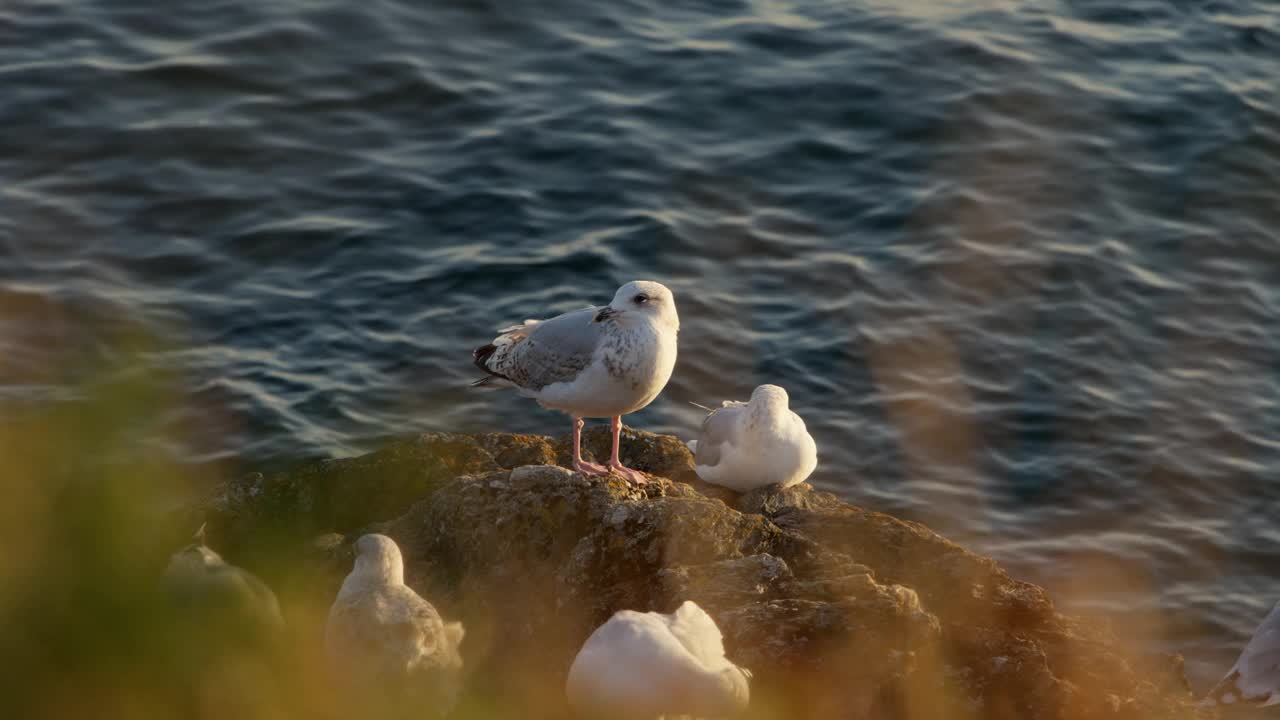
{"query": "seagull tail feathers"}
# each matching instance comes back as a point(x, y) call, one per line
point(480, 356)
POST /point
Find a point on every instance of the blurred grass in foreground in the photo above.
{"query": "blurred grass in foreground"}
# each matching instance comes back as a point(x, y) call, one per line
point(85, 533)
point(92, 511)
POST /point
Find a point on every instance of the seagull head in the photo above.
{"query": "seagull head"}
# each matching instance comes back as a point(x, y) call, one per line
point(643, 299)
point(378, 559)
point(192, 559)
point(769, 408)
point(770, 395)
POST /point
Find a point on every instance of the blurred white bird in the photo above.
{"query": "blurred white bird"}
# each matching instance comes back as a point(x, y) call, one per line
point(1255, 678)
point(199, 581)
point(640, 666)
point(389, 642)
point(748, 445)
point(595, 362)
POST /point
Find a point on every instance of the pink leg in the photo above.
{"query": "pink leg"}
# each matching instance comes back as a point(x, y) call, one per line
point(582, 466)
point(615, 464)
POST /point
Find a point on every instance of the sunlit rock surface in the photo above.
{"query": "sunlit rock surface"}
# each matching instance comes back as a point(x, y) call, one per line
point(839, 611)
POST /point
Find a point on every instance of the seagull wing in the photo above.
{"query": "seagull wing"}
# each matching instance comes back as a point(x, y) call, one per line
point(539, 353)
point(1255, 678)
point(720, 428)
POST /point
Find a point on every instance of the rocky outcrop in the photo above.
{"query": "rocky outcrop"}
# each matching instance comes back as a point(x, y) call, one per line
point(839, 611)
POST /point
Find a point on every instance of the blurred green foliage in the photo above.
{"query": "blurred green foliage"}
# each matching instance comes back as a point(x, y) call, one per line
point(86, 528)
point(92, 511)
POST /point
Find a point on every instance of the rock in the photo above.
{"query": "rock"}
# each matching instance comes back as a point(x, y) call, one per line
point(660, 455)
point(330, 556)
point(773, 500)
point(349, 494)
point(839, 611)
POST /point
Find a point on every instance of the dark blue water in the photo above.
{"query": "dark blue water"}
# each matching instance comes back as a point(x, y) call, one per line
point(1017, 263)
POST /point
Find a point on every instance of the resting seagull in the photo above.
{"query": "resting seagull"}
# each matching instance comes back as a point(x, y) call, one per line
point(1255, 678)
point(594, 362)
point(387, 639)
point(199, 580)
point(647, 665)
point(748, 445)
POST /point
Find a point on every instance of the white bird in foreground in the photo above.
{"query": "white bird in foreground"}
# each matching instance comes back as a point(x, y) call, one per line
point(593, 362)
point(389, 641)
point(1255, 678)
point(748, 445)
point(646, 665)
point(199, 580)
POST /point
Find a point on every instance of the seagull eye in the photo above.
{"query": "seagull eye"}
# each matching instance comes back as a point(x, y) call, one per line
point(641, 299)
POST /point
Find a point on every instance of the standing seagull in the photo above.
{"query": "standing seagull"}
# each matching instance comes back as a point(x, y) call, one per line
point(1255, 678)
point(387, 639)
point(748, 445)
point(641, 666)
point(593, 362)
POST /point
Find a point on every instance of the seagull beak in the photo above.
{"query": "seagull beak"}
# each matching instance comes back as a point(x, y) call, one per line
point(605, 314)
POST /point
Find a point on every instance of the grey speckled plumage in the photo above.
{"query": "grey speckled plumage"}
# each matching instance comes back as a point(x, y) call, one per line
point(387, 640)
point(591, 363)
point(1255, 678)
point(538, 353)
point(594, 362)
